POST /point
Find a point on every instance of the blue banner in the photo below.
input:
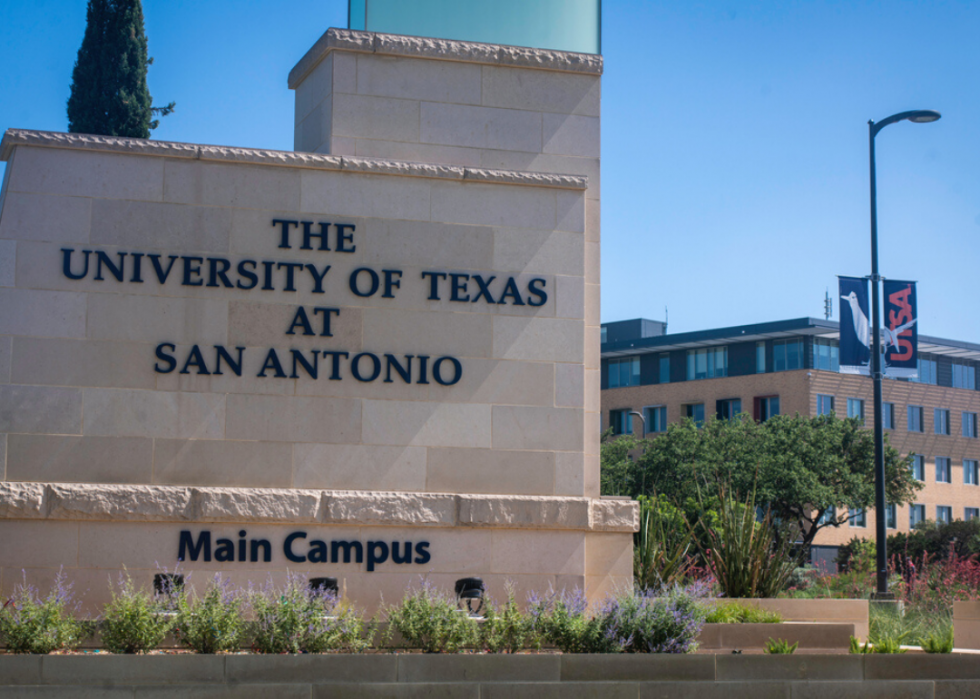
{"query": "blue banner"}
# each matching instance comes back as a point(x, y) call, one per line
point(855, 326)
point(900, 336)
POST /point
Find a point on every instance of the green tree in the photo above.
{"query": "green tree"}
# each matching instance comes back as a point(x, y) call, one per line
point(798, 467)
point(109, 95)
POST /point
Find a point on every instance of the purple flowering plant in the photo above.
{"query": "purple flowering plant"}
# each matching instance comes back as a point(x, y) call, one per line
point(428, 619)
point(30, 623)
point(212, 622)
point(135, 620)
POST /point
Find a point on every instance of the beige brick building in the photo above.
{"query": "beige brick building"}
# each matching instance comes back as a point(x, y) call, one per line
point(790, 367)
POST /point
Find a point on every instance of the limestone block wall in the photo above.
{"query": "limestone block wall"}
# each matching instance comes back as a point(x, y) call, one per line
point(466, 104)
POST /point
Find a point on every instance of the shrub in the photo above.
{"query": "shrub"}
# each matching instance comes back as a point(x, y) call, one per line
point(296, 619)
point(665, 621)
point(662, 545)
point(749, 558)
point(938, 642)
point(214, 621)
point(508, 629)
point(30, 624)
point(735, 612)
point(777, 646)
point(563, 619)
point(429, 620)
point(134, 621)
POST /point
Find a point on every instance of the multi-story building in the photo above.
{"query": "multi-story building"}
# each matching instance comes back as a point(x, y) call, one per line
point(791, 366)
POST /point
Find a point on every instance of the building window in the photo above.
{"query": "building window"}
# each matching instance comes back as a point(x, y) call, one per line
point(729, 408)
point(918, 467)
point(695, 411)
point(621, 421)
point(964, 376)
point(858, 516)
point(915, 418)
point(970, 425)
point(940, 421)
point(891, 516)
point(971, 513)
point(917, 513)
point(603, 333)
point(943, 468)
point(971, 472)
point(707, 363)
point(825, 404)
point(888, 416)
point(855, 408)
point(787, 355)
point(826, 354)
point(927, 372)
point(766, 407)
point(944, 514)
point(828, 516)
point(624, 372)
point(664, 368)
point(760, 357)
point(656, 416)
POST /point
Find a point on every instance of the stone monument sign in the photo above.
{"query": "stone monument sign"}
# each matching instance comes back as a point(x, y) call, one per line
point(374, 357)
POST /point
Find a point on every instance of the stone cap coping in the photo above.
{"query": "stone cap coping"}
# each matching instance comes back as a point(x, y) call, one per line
point(444, 50)
point(159, 503)
point(285, 158)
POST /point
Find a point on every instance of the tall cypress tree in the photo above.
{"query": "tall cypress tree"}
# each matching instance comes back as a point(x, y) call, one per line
point(109, 95)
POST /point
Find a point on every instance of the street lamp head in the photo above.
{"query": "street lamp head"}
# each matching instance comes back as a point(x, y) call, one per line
point(924, 116)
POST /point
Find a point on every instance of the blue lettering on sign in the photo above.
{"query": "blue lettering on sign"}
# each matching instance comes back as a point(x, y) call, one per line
point(297, 547)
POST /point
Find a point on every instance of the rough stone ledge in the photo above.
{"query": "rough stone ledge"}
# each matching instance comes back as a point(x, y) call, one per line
point(281, 158)
point(152, 503)
point(442, 49)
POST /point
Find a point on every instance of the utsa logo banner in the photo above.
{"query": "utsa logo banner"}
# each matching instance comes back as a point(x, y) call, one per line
point(900, 336)
point(855, 328)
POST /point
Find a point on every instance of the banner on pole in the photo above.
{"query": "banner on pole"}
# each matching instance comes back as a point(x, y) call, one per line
point(900, 336)
point(855, 327)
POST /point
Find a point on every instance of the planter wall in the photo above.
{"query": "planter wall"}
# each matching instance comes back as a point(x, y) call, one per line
point(966, 625)
point(754, 636)
point(472, 676)
point(836, 611)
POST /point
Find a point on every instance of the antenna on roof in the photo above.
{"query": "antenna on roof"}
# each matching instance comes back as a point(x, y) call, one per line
point(828, 305)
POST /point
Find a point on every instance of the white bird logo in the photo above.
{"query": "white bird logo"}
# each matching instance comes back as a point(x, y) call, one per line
point(861, 326)
point(891, 336)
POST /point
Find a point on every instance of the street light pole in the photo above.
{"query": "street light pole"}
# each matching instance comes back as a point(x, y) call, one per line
point(919, 117)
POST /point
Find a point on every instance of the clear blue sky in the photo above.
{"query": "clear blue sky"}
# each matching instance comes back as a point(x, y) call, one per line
point(735, 171)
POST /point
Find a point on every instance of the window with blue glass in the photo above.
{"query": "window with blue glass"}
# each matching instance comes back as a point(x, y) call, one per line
point(664, 368)
point(826, 354)
point(828, 516)
point(927, 372)
point(888, 416)
point(855, 408)
point(971, 472)
point(656, 416)
point(970, 425)
point(624, 372)
point(918, 467)
point(917, 513)
point(760, 357)
point(787, 355)
point(766, 407)
point(915, 418)
point(858, 516)
point(603, 334)
point(621, 421)
point(891, 516)
point(940, 421)
point(964, 376)
point(729, 408)
point(944, 514)
point(707, 363)
point(695, 411)
point(971, 513)
point(825, 404)
point(944, 469)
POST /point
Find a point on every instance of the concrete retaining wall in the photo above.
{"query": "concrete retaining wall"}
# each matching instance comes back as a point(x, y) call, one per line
point(966, 624)
point(480, 676)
